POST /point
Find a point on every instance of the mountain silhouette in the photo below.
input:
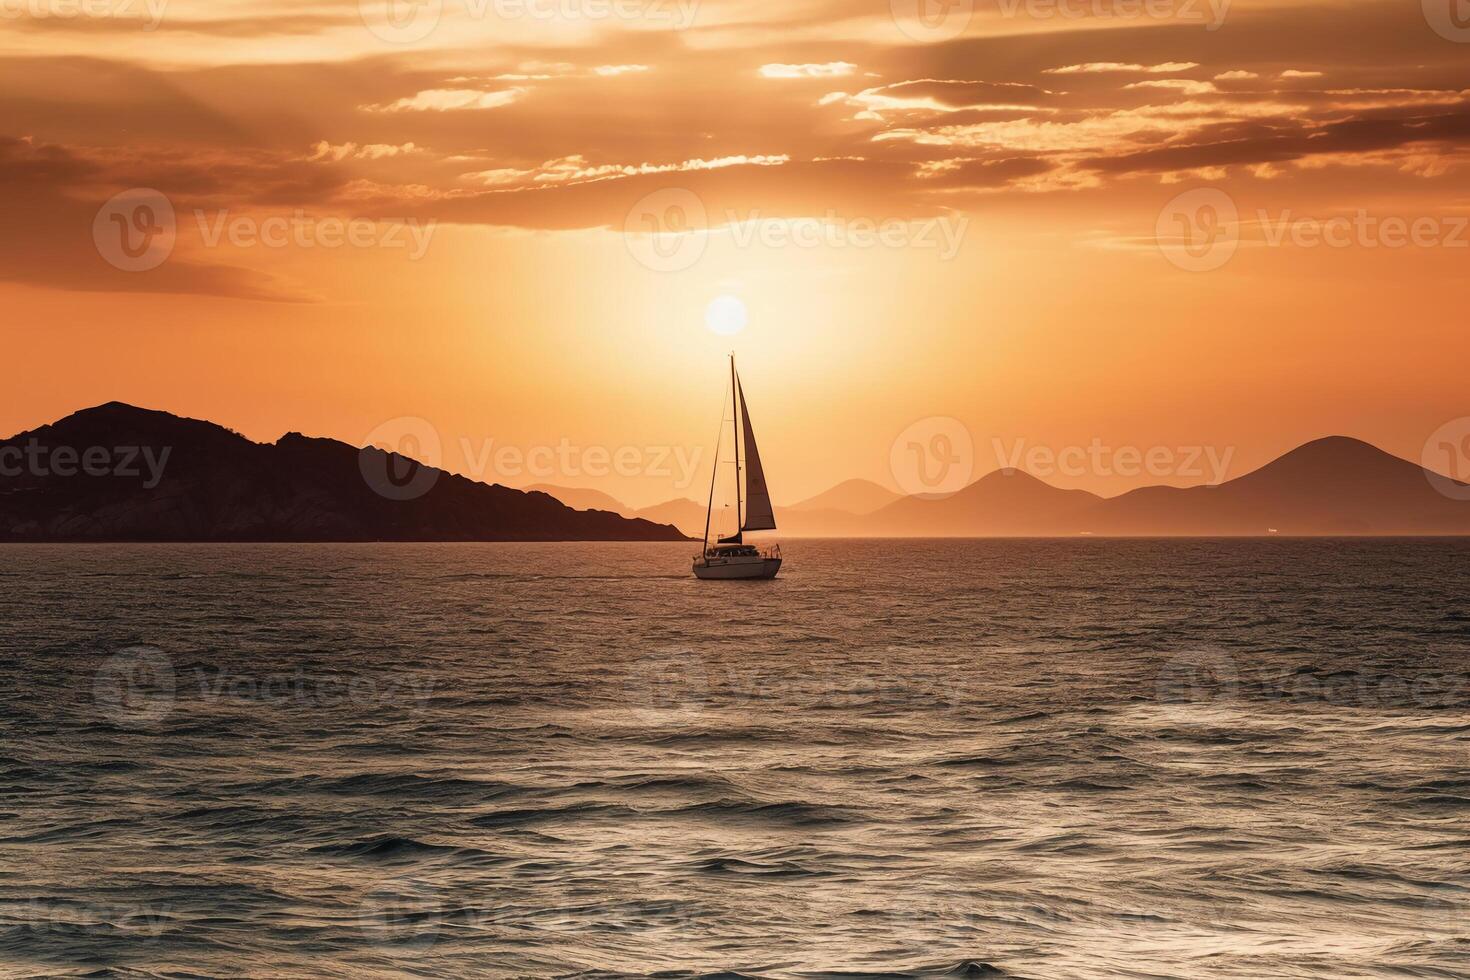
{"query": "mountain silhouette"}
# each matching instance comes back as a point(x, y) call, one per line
point(121, 473)
point(1333, 486)
point(681, 512)
point(1002, 503)
point(581, 498)
point(849, 497)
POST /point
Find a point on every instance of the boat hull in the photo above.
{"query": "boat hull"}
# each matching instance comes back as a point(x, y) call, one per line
point(736, 568)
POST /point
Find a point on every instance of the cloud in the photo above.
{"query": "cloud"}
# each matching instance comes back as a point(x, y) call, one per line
point(51, 196)
point(1293, 73)
point(1286, 142)
point(960, 173)
point(577, 123)
point(1184, 85)
point(576, 169)
point(352, 151)
point(1108, 67)
point(450, 100)
point(934, 95)
point(830, 69)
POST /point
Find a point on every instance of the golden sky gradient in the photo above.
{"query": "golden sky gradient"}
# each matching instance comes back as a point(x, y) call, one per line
point(1022, 160)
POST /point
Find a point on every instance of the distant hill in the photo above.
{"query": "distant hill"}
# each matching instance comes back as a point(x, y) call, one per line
point(581, 498)
point(1003, 503)
point(683, 513)
point(153, 476)
point(1334, 486)
point(856, 497)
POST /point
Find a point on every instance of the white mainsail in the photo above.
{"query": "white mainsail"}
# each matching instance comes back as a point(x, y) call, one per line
point(758, 513)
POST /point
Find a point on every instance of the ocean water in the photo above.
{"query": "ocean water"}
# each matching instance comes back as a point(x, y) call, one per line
point(1035, 759)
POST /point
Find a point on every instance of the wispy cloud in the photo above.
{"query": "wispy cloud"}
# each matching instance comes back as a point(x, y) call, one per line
point(830, 69)
point(576, 169)
point(1109, 67)
point(450, 99)
point(1185, 85)
point(352, 151)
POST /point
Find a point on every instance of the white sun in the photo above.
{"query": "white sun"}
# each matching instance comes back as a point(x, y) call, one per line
point(726, 316)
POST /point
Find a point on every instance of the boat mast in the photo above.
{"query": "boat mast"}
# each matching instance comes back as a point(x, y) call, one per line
point(714, 474)
point(735, 431)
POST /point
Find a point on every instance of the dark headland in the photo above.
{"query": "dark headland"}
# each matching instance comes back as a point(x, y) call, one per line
point(101, 474)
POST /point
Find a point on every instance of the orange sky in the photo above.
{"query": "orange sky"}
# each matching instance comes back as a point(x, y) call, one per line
point(967, 216)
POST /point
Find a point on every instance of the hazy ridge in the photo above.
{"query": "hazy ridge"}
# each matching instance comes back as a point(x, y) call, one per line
point(1332, 486)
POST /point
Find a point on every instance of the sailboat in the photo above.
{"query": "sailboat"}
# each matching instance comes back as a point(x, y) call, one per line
point(731, 557)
